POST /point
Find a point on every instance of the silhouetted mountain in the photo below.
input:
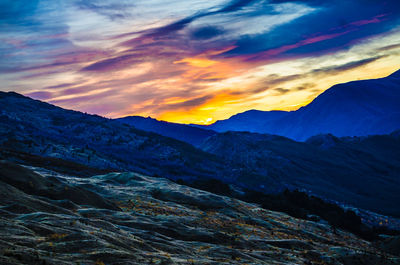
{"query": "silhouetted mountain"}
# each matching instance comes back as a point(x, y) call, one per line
point(356, 108)
point(251, 120)
point(182, 132)
point(37, 128)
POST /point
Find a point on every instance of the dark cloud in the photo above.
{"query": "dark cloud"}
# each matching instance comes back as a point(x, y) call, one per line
point(334, 26)
point(194, 102)
point(112, 10)
point(389, 47)
point(63, 85)
point(206, 32)
point(115, 63)
point(281, 91)
point(235, 5)
point(260, 88)
point(345, 67)
point(277, 79)
point(273, 80)
point(305, 86)
point(188, 104)
point(182, 23)
point(173, 27)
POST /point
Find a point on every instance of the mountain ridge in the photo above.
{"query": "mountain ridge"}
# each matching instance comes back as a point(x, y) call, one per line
point(355, 108)
point(182, 132)
point(41, 129)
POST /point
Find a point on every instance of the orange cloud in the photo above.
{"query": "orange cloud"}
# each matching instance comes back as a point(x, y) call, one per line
point(197, 62)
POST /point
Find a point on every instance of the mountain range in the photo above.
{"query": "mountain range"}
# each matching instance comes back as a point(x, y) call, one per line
point(357, 108)
point(358, 171)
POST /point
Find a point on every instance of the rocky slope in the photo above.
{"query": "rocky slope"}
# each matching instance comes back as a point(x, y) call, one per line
point(359, 171)
point(356, 108)
point(38, 128)
point(146, 220)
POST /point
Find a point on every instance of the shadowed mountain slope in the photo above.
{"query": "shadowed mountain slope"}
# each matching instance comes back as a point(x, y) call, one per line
point(356, 108)
point(360, 171)
point(182, 132)
point(38, 128)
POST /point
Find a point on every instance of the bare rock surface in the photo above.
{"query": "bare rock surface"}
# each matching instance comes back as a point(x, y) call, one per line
point(128, 218)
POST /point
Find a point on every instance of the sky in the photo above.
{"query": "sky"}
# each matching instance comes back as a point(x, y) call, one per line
point(192, 61)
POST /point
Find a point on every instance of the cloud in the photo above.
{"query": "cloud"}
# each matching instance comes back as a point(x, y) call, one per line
point(185, 105)
point(110, 9)
point(281, 91)
point(191, 103)
point(345, 67)
point(305, 86)
point(65, 58)
point(203, 32)
point(207, 32)
point(112, 64)
point(249, 91)
point(63, 85)
point(325, 29)
point(41, 95)
point(389, 47)
point(276, 79)
point(234, 5)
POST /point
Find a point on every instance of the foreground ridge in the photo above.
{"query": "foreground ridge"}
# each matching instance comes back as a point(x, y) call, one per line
point(146, 220)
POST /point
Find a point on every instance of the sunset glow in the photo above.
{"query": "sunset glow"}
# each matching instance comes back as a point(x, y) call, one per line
point(192, 61)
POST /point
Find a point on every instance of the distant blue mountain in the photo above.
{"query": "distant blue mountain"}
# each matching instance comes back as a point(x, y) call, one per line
point(185, 133)
point(356, 108)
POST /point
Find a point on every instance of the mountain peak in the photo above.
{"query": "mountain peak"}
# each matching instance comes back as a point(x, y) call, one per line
point(355, 108)
point(395, 74)
point(10, 94)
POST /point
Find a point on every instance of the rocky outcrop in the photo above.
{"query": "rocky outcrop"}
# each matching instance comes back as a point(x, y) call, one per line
point(156, 222)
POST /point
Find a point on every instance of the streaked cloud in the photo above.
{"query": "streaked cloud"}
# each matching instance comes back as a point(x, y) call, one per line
point(192, 61)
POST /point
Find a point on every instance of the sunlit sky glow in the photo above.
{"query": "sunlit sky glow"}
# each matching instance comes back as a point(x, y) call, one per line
point(192, 61)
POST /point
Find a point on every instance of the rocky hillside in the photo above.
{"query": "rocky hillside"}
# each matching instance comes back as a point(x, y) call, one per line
point(359, 171)
point(38, 128)
point(129, 218)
